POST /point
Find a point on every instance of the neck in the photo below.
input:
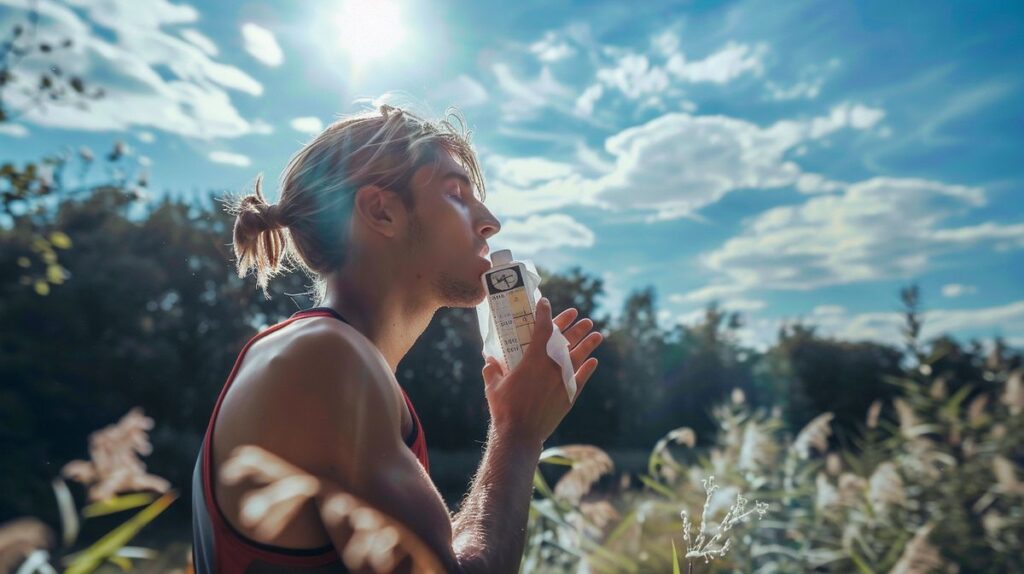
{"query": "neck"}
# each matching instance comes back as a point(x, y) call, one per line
point(390, 310)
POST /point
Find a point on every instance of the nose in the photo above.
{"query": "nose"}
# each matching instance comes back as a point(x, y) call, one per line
point(488, 225)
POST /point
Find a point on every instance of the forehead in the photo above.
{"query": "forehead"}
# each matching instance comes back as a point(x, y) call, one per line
point(438, 171)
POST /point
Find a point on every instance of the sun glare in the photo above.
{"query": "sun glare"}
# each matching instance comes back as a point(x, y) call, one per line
point(369, 30)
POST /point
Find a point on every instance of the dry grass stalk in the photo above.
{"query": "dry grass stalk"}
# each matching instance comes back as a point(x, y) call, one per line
point(885, 487)
point(814, 435)
point(589, 463)
point(873, 413)
point(1013, 394)
point(919, 556)
point(976, 410)
point(377, 542)
point(1006, 476)
point(115, 466)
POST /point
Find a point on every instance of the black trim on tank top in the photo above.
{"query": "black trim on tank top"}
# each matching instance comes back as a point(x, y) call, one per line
point(415, 428)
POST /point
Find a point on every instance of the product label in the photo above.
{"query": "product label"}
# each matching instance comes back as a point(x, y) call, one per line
point(512, 312)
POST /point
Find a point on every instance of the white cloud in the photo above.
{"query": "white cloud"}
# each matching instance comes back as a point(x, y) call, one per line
point(807, 89)
point(541, 232)
point(463, 92)
point(828, 310)
point(152, 77)
point(678, 163)
point(835, 321)
point(954, 290)
point(229, 158)
point(634, 76)
point(589, 97)
point(722, 67)
point(705, 294)
point(261, 44)
point(885, 326)
point(741, 304)
point(876, 229)
point(525, 171)
point(526, 98)
point(307, 124)
point(200, 41)
point(13, 130)
point(552, 48)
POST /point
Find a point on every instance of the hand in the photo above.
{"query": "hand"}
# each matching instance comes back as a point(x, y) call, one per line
point(530, 401)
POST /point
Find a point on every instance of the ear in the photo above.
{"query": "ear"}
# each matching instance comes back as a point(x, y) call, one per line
point(380, 209)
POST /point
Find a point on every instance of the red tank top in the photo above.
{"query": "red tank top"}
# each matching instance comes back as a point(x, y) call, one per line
point(217, 547)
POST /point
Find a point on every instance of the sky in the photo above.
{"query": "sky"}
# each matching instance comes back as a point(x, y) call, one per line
point(794, 161)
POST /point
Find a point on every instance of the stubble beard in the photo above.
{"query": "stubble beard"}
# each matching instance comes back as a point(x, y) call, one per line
point(452, 290)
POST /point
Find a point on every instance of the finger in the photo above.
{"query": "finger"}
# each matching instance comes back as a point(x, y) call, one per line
point(576, 333)
point(565, 318)
point(587, 346)
point(543, 327)
point(491, 371)
point(583, 374)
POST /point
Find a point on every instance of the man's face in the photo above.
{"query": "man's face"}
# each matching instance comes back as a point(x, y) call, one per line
point(448, 232)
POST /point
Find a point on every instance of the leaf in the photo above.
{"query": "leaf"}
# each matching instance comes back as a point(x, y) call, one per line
point(42, 288)
point(92, 557)
point(117, 504)
point(60, 240)
point(658, 487)
point(675, 559)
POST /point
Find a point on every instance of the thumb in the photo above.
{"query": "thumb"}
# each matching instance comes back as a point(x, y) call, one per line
point(491, 370)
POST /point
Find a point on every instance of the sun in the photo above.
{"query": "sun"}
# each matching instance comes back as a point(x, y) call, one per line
point(368, 30)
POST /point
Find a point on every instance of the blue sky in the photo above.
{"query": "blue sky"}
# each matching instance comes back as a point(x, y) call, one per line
point(788, 159)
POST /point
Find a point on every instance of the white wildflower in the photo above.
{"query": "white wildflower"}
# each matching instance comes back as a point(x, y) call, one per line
point(710, 546)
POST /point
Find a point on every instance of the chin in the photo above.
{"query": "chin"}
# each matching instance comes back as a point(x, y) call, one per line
point(465, 293)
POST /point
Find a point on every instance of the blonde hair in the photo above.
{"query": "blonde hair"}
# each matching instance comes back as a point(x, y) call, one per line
point(309, 225)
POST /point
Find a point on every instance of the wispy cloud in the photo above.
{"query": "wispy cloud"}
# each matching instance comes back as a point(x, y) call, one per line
point(463, 92)
point(152, 77)
point(196, 38)
point(229, 158)
point(953, 290)
point(307, 124)
point(261, 44)
point(881, 228)
point(544, 232)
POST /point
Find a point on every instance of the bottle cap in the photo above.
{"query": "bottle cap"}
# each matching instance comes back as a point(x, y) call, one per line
point(501, 257)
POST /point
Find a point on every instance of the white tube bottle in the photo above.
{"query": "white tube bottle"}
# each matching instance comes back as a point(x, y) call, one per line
point(511, 304)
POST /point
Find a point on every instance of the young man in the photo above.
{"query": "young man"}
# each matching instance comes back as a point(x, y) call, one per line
point(382, 212)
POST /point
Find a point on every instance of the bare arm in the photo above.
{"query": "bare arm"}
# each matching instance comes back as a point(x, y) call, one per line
point(497, 506)
point(347, 430)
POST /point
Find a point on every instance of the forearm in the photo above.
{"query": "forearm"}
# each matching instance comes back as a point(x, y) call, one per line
point(489, 530)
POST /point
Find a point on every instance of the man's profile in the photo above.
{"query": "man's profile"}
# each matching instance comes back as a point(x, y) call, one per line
point(384, 211)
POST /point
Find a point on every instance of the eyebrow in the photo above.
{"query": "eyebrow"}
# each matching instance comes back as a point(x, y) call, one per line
point(454, 174)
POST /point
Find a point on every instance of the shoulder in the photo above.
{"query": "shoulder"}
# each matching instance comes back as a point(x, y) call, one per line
point(330, 391)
